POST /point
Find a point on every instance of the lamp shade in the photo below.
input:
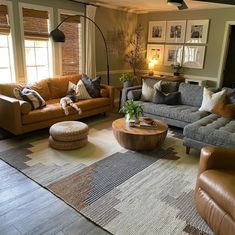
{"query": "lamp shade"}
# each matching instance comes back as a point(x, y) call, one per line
point(57, 35)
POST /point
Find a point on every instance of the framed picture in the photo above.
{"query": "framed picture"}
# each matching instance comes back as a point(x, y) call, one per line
point(194, 57)
point(197, 31)
point(157, 31)
point(155, 51)
point(175, 31)
point(173, 54)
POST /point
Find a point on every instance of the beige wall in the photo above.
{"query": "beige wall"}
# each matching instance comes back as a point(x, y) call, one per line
point(112, 22)
point(218, 18)
point(55, 5)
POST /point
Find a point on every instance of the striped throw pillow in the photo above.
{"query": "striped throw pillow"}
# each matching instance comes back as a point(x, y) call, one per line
point(31, 96)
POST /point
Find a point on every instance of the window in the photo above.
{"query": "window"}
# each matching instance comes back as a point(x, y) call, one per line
point(71, 49)
point(37, 45)
point(7, 71)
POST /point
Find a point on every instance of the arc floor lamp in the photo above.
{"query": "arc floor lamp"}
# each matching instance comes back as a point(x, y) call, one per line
point(58, 36)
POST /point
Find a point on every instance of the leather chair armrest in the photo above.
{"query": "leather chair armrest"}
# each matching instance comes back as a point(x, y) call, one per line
point(216, 158)
point(110, 90)
point(10, 118)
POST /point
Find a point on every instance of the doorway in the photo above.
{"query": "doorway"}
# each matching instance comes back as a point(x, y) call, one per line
point(229, 68)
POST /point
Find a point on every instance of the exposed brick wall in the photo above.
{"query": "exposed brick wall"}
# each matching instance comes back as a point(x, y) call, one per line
point(70, 49)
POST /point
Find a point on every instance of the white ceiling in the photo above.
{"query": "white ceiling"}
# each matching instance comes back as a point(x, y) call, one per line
point(142, 6)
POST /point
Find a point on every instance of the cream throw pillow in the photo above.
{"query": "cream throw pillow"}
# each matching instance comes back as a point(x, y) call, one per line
point(148, 91)
point(72, 86)
point(81, 91)
point(211, 99)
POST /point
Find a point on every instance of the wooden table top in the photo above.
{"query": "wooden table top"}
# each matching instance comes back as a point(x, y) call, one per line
point(165, 78)
point(120, 125)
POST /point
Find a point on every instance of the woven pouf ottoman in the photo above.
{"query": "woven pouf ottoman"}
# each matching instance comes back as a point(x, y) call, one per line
point(68, 135)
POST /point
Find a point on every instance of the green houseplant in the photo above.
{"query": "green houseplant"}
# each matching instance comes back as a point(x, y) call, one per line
point(127, 79)
point(132, 110)
point(177, 69)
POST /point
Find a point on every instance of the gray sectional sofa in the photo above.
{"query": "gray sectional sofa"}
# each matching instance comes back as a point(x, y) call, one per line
point(200, 128)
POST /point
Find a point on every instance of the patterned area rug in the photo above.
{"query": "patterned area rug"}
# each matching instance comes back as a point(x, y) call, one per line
point(123, 191)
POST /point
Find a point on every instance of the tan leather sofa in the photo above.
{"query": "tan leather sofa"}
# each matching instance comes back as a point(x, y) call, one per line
point(215, 189)
point(17, 117)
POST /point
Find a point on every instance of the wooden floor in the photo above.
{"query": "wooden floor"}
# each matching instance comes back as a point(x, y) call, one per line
point(27, 208)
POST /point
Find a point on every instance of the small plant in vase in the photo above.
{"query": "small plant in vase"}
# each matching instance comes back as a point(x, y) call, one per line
point(177, 68)
point(127, 80)
point(132, 111)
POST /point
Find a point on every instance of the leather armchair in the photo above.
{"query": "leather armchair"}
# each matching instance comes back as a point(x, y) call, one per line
point(215, 189)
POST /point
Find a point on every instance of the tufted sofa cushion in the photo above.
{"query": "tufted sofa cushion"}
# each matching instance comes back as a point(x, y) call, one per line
point(183, 113)
point(212, 130)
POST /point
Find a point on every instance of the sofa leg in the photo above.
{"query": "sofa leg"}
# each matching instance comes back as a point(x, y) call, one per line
point(187, 150)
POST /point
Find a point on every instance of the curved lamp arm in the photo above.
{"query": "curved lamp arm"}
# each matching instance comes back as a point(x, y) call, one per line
point(58, 36)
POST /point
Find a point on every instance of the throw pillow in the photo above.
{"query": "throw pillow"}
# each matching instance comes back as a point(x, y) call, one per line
point(170, 99)
point(72, 86)
point(147, 92)
point(81, 91)
point(17, 93)
point(230, 97)
point(210, 99)
point(158, 85)
point(92, 85)
point(224, 110)
point(169, 87)
point(30, 96)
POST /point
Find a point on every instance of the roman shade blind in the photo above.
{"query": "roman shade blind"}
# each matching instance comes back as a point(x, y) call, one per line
point(4, 24)
point(74, 19)
point(36, 24)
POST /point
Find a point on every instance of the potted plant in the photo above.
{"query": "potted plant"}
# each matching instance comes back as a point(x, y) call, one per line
point(132, 111)
point(135, 52)
point(127, 80)
point(176, 68)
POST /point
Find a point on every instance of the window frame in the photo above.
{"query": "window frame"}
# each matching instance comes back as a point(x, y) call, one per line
point(12, 43)
point(50, 45)
point(82, 40)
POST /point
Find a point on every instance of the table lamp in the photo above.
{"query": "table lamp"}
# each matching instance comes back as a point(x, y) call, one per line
point(151, 66)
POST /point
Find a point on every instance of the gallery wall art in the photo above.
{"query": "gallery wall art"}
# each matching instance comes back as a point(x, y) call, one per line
point(156, 52)
point(157, 31)
point(181, 42)
point(197, 31)
point(175, 32)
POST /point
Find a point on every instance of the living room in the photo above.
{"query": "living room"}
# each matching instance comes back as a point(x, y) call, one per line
point(117, 117)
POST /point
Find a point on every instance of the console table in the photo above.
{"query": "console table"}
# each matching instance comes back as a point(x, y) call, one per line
point(165, 78)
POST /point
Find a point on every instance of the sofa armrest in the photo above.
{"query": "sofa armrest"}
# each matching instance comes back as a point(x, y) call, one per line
point(110, 90)
point(125, 93)
point(216, 158)
point(10, 118)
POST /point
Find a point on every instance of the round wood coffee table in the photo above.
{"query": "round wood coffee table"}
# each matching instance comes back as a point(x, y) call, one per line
point(139, 139)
